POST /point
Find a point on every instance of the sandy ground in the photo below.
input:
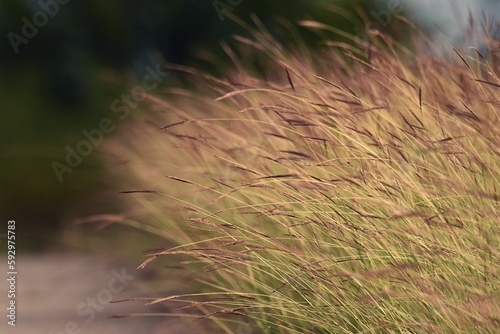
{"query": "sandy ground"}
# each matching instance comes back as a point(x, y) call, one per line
point(69, 294)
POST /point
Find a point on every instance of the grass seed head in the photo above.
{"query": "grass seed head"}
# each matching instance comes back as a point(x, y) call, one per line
point(350, 194)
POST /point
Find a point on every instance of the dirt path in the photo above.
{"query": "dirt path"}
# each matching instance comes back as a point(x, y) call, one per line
point(69, 294)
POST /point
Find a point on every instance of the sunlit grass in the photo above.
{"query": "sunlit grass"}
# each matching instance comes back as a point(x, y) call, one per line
point(355, 192)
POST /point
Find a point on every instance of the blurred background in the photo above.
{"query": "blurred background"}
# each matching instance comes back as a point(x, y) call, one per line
point(63, 63)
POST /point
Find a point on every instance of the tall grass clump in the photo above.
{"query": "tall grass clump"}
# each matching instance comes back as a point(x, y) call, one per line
point(353, 190)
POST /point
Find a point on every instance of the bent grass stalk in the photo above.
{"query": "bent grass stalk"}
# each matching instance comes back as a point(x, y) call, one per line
point(353, 195)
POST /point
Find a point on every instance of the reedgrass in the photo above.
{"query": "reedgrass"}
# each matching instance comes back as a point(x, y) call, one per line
point(351, 191)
